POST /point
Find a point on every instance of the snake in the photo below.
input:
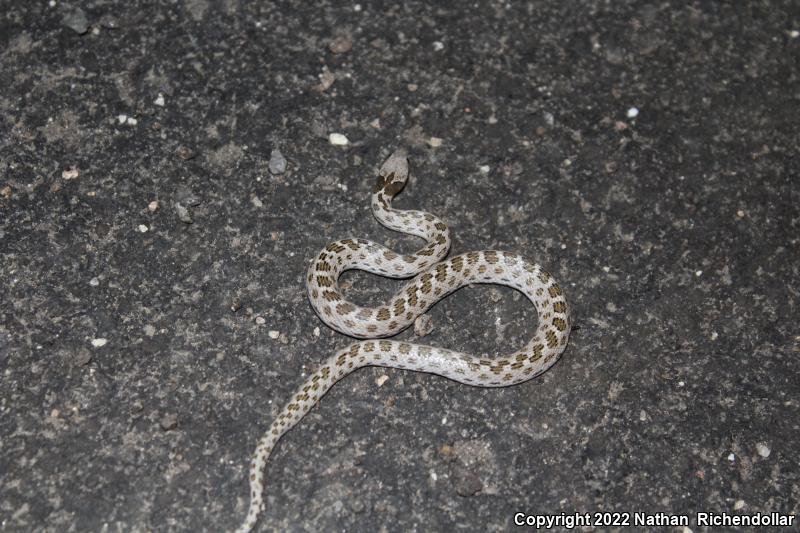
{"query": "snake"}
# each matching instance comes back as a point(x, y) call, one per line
point(433, 279)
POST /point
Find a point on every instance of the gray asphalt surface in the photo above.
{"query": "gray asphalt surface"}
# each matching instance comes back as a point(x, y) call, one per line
point(154, 319)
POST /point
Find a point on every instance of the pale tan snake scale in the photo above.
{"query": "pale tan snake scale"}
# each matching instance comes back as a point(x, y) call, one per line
point(434, 280)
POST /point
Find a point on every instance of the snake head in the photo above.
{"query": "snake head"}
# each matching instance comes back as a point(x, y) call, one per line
point(393, 173)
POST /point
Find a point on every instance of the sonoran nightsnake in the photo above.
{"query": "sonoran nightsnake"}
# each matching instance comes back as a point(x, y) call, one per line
point(434, 279)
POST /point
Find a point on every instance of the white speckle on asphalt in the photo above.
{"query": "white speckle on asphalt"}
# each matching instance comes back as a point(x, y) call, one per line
point(632, 112)
point(435, 142)
point(99, 342)
point(763, 450)
point(142, 228)
point(159, 101)
point(337, 139)
point(71, 173)
point(277, 163)
point(274, 334)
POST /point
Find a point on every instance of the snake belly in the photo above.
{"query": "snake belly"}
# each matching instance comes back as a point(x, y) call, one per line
point(434, 278)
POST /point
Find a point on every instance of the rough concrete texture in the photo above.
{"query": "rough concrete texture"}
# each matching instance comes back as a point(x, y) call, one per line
point(153, 253)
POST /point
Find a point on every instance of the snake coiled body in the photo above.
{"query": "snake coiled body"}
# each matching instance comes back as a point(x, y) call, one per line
point(434, 279)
